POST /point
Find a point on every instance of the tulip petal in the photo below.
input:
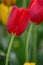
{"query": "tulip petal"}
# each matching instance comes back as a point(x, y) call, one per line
point(36, 12)
point(11, 19)
point(23, 22)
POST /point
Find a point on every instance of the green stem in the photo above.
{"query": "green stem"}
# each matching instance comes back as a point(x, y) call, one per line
point(34, 43)
point(24, 4)
point(27, 41)
point(9, 49)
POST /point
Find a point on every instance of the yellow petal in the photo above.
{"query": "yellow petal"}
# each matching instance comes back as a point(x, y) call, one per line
point(33, 63)
point(5, 10)
point(27, 63)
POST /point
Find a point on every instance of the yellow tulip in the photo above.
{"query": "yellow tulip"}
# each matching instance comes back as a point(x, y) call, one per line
point(5, 11)
point(29, 63)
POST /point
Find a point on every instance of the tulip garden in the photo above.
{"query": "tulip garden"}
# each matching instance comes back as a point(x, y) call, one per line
point(21, 32)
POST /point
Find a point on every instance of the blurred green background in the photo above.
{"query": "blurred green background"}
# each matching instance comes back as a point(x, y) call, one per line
point(17, 55)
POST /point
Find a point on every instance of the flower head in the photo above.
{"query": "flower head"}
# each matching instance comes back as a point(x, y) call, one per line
point(4, 13)
point(36, 11)
point(18, 20)
point(29, 63)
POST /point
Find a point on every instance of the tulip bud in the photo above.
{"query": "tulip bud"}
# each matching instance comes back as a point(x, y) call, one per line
point(18, 20)
point(36, 11)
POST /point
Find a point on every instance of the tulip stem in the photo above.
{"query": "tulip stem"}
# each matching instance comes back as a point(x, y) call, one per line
point(24, 4)
point(9, 49)
point(27, 41)
point(35, 43)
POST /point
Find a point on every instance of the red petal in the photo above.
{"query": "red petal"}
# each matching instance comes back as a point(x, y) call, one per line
point(19, 12)
point(11, 19)
point(40, 2)
point(36, 13)
point(23, 22)
point(31, 2)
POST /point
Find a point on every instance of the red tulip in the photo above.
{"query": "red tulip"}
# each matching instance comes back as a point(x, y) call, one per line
point(18, 20)
point(36, 11)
